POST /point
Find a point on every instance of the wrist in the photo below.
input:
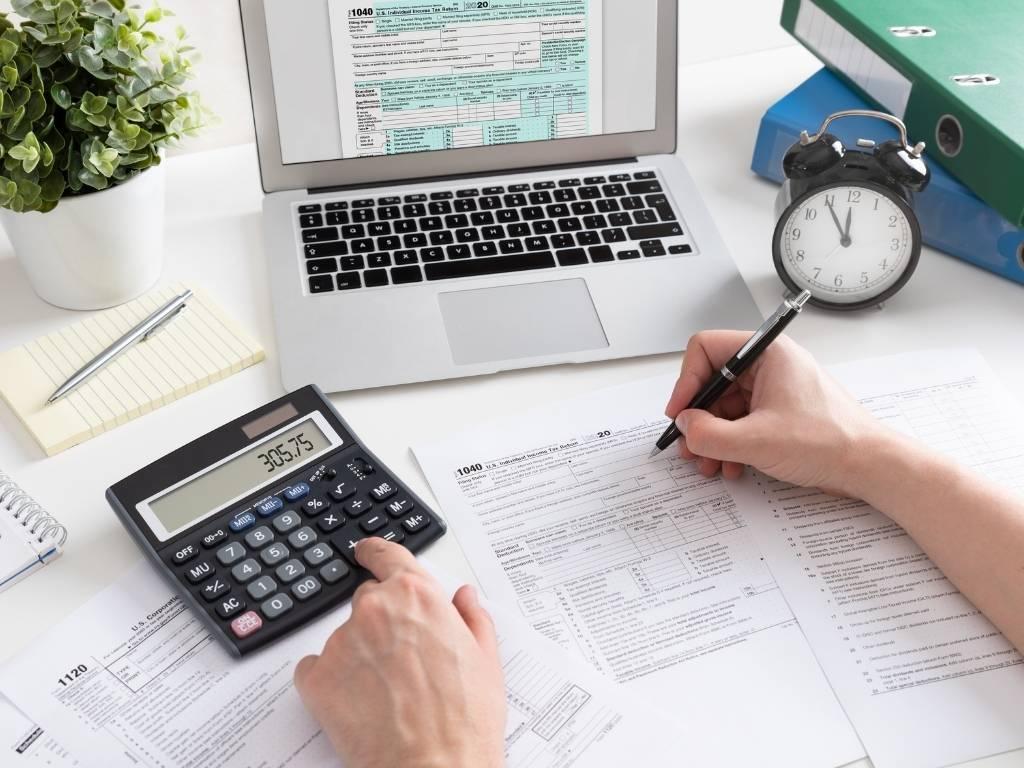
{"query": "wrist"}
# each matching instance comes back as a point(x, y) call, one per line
point(887, 465)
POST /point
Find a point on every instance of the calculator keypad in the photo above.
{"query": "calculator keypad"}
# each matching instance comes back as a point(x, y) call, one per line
point(295, 548)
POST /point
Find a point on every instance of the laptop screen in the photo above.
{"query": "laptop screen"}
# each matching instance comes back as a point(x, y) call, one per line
point(365, 78)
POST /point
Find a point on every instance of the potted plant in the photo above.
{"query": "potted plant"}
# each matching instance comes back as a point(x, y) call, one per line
point(90, 95)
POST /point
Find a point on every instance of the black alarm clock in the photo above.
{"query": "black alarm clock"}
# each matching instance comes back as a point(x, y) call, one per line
point(847, 230)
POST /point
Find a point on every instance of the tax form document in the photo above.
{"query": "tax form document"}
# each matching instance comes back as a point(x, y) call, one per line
point(926, 680)
point(414, 75)
point(25, 744)
point(133, 679)
point(643, 568)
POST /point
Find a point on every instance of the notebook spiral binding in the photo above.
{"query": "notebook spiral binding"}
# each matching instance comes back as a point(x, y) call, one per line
point(28, 513)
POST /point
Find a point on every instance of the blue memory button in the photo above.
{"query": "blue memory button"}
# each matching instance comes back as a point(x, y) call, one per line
point(296, 492)
point(241, 521)
point(268, 506)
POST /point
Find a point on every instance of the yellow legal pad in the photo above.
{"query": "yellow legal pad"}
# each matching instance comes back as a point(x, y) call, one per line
point(198, 347)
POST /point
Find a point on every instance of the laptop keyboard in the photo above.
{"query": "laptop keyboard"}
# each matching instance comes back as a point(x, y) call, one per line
point(359, 243)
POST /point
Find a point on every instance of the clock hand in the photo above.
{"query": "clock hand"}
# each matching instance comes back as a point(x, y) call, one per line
point(842, 235)
point(846, 241)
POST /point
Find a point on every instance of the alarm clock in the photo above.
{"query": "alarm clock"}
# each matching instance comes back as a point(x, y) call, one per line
point(847, 230)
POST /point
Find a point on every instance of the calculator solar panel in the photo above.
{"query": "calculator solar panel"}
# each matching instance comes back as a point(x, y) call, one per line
point(255, 523)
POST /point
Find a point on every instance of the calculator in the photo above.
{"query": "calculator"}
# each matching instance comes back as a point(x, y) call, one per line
point(256, 523)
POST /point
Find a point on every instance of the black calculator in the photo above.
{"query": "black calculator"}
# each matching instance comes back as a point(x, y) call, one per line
point(256, 523)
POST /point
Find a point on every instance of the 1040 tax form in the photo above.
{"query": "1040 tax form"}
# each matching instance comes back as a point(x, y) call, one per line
point(644, 568)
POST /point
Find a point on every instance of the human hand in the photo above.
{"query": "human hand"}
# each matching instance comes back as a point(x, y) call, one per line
point(784, 416)
point(411, 679)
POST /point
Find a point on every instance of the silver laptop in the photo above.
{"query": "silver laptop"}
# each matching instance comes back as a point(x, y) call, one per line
point(459, 188)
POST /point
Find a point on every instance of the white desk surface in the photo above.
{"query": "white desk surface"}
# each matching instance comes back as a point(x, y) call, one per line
point(214, 237)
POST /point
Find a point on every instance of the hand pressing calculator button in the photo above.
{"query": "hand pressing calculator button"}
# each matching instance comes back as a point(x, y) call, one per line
point(256, 522)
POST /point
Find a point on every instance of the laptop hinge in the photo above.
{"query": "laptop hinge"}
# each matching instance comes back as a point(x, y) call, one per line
point(481, 174)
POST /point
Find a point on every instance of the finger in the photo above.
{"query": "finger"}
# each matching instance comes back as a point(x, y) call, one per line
point(362, 591)
point(705, 353)
point(708, 467)
point(467, 603)
point(715, 438)
point(732, 471)
point(684, 452)
point(303, 670)
point(385, 558)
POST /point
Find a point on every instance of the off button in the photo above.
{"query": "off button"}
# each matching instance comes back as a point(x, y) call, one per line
point(184, 554)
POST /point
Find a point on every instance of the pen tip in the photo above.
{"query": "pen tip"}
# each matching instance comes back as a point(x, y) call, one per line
point(654, 453)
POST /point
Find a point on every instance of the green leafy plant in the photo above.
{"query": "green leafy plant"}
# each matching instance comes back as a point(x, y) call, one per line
point(90, 92)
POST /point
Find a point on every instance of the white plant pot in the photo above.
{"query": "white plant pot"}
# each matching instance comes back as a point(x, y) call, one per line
point(95, 251)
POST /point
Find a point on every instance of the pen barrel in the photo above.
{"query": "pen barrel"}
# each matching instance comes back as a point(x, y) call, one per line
point(749, 355)
point(707, 396)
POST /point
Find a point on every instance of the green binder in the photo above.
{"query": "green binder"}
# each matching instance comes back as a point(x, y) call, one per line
point(952, 69)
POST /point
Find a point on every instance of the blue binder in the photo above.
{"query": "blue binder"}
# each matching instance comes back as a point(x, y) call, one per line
point(952, 218)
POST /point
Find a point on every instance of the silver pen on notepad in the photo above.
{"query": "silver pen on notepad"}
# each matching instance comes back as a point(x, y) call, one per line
point(139, 333)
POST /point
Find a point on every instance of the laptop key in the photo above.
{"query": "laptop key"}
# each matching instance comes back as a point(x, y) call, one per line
point(322, 235)
point(490, 203)
point(511, 246)
point(590, 193)
point(351, 263)
point(389, 213)
point(619, 177)
point(540, 198)
point(468, 193)
point(630, 254)
point(605, 205)
point(338, 248)
point(613, 190)
point(508, 215)
point(363, 246)
point(402, 258)
point(392, 243)
point(406, 275)
point(595, 222)
point(570, 225)
point(536, 243)
point(467, 235)
point(431, 254)
point(595, 180)
point(310, 208)
point(644, 187)
point(363, 215)
point(479, 267)
point(583, 208)
point(614, 236)
point(378, 229)
point(569, 183)
point(321, 283)
point(639, 175)
point(494, 190)
point(378, 260)
point(414, 210)
point(588, 238)
point(557, 211)
point(496, 232)
point(465, 206)
point(654, 231)
point(430, 223)
point(415, 198)
point(519, 188)
point(544, 227)
point(658, 250)
point(481, 218)
point(405, 226)
point(678, 249)
point(519, 230)
point(515, 201)
point(353, 231)
point(339, 206)
point(565, 195)
point(573, 257)
point(337, 218)
point(646, 216)
point(388, 200)
point(533, 212)
point(601, 253)
point(544, 185)
point(349, 281)
point(375, 278)
point(439, 208)
point(486, 248)
point(444, 237)
point(456, 220)
point(458, 252)
point(620, 219)
point(362, 203)
point(441, 195)
point(309, 220)
point(632, 203)
point(415, 240)
point(562, 241)
point(319, 266)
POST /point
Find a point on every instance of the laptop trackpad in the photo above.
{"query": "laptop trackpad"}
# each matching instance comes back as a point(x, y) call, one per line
point(512, 322)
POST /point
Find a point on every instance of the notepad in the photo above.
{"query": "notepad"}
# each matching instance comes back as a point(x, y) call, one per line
point(200, 346)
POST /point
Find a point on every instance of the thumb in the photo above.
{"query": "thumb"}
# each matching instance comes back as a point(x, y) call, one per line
point(479, 621)
point(714, 438)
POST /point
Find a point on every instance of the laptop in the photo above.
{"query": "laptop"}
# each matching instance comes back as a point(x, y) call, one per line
point(460, 188)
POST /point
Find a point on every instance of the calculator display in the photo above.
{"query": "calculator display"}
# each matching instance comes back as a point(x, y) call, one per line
point(279, 454)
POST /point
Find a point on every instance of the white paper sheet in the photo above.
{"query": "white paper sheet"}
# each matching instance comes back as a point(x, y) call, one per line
point(23, 743)
point(643, 568)
point(133, 679)
point(925, 678)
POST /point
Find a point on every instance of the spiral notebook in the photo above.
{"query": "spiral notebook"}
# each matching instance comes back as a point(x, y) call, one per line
point(29, 536)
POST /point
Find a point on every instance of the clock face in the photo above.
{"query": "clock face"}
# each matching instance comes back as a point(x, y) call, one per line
point(851, 245)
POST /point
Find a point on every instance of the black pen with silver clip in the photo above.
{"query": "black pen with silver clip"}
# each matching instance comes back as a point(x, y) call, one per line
point(141, 332)
point(740, 362)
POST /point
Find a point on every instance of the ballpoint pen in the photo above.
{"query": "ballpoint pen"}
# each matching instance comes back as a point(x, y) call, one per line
point(740, 362)
point(139, 333)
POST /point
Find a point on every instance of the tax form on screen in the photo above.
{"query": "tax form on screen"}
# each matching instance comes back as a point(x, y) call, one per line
point(415, 76)
point(643, 568)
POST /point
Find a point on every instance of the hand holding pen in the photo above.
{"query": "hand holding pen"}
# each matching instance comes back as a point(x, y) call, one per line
point(717, 383)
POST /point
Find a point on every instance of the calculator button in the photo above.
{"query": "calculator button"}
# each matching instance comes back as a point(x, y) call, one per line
point(373, 522)
point(246, 624)
point(361, 467)
point(318, 554)
point(302, 538)
point(400, 507)
point(262, 587)
point(213, 538)
point(268, 506)
point(184, 554)
point(290, 571)
point(295, 492)
point(245, 571)
point(289, 521)
point(260, 537)
point(415, 523)
point(306, 588)
point(330, 521)
point(334, 572)
point(274, 554)
point(347, 545)
point(383, 491)
point(276, 606)
point(315, 505)
point(342, 491)
point(358, 507)
point(231, 553)
point(199, 572)
point(392, 534)
point(229, 606)
point(241, 521)
point(214, 589)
